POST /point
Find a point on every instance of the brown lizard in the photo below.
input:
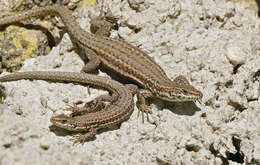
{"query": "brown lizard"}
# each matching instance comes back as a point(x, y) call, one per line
point(119, 110)
point(118, 56)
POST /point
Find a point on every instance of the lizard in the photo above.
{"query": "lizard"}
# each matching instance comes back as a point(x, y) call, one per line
point(119, 110)
point(117, 55)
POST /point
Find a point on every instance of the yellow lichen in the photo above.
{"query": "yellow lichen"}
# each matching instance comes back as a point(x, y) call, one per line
point(32, 41)
point(18, 3)
point(2, 36)
point(88, 2)
point(24, 42)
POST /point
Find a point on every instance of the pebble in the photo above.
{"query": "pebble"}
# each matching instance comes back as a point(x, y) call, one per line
point(44, 144)
point(236, 55)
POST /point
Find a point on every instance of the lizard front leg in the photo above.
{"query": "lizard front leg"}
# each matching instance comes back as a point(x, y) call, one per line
point(141, 104)
point(102, 24)
point(81, 138)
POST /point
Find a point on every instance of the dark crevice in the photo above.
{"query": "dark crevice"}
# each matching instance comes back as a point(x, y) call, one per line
point(192, 147)
point(229, 84)
point(238, 156)
point(216, 154)
point(258, 5)
point(50, 38)
point(236, 69)
point(237, 106)
point(257, 74)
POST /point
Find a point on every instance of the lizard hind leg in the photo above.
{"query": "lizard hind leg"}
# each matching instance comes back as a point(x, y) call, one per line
point(95, 105)
point(89, 107)
point(101, 25)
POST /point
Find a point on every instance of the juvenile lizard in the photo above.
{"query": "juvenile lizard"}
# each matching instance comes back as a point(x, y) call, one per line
point(117, 55)
point(116, 112)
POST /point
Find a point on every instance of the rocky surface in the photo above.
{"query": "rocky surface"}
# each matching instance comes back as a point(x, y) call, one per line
point(215, 44)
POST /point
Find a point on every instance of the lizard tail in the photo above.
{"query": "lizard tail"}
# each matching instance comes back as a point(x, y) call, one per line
point(55, 10)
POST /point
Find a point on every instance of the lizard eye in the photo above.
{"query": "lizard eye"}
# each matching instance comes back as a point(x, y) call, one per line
point(185, 91)
point(64, 121)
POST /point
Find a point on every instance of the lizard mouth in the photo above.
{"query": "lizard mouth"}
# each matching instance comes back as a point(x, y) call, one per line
point(60, 121)
point(181, 98)
point(178, 99)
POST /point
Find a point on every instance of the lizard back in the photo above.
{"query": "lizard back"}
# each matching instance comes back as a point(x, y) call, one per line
point(115, 54)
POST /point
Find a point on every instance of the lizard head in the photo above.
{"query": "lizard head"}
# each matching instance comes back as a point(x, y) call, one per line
point(63, 121)
point(181, 90)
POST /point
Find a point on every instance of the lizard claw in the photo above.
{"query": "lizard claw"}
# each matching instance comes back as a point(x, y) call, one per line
point(89, 107)
point(72, 108)
point(79, 138)
point(144, 109)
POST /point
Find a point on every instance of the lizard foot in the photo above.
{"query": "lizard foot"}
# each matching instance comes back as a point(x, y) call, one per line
point(144, 109)
point(81, 138)
point(92, 106)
